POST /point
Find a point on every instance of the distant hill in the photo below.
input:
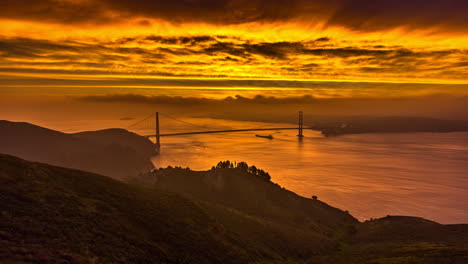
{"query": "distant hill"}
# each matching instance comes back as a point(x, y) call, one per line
point(391, 124)
point(113, 152)
point(51, 214)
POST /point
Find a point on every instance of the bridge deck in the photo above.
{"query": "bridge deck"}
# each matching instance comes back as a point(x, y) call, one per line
point(224, 131)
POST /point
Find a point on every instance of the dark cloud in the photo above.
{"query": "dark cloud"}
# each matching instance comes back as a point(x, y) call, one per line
point(275, 50)
point(226, 48)
point(176, 51)
point(223, 11)
point(227, 58)
point(176, 56)
point(84, 82)
point(192, 40)
point(366, 15)
point(67, 12)
point(191, 63)
point(126, 118)
point(461, 64)
point(25, 47)
point(142, 99)
point(105, 11)
point(191, 101)
point(347, 52)
point(58, 64)
point(370, 15)
point(66, 52)
point(323, 39)
point(306, 67)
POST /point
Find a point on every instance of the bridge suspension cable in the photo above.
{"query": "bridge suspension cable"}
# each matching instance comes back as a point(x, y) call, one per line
point(139, 122)
point(147, 122)
point(185, 122)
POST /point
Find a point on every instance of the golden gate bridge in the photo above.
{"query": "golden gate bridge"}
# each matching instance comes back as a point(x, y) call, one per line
point(157, 135)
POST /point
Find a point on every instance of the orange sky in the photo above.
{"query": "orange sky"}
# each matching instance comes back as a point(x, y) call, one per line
point(235, 44)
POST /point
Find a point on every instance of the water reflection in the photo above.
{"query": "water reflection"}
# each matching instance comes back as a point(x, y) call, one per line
point(372, 175)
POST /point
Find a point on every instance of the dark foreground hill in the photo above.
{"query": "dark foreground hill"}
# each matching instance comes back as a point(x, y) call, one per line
point(50, 214)
point(56, 215)
point(252, 193)
point(112, 152)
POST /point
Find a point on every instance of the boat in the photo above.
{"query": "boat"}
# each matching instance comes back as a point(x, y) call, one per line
point(269, 136)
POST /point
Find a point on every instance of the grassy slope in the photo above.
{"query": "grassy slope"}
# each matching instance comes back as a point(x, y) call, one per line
point(57, 215)
point(252, 195)
point(401, 240)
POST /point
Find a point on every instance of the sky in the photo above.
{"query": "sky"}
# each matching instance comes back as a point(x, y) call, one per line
point(227, 48)
point(229, 43)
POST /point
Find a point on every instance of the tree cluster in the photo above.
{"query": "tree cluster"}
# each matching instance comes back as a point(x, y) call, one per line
point(243, 166)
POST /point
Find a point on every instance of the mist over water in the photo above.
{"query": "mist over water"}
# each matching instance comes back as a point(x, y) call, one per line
point(371, 175)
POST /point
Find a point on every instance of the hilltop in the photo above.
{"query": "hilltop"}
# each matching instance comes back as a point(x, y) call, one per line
point(51, 214)
point(250, 190)
point(113, 152)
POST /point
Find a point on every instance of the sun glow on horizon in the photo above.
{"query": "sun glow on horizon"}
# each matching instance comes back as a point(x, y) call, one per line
point(140, 48)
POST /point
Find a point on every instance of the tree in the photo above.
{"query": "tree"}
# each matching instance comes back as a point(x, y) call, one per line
point(243, 166)
point(253, 170)
point(225, 165)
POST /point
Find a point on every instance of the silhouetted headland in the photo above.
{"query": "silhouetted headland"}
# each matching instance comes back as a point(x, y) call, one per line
point(113, 152)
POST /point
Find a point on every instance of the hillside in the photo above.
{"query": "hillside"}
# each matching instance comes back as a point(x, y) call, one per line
point(56, 215)
point(115, 136)
point(51, 214)
point(252, 194)
point(112, 152)
point(402, 240)
point(393, 239)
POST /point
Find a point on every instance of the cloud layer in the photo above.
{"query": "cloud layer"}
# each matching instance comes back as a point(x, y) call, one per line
point(230, 57)
point(355, 14)
point(232, 43)
point(283, 109)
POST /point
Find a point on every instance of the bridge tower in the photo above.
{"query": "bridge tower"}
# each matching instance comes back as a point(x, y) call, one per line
point(301, 125)
point(158, 135)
